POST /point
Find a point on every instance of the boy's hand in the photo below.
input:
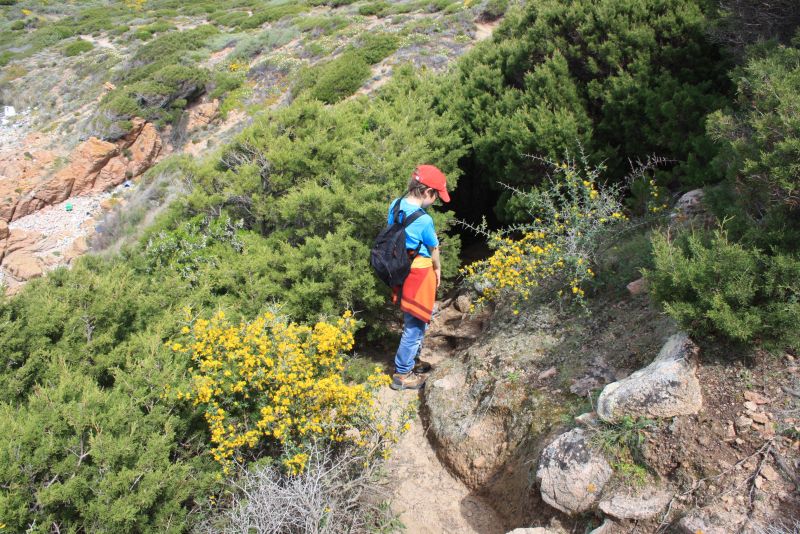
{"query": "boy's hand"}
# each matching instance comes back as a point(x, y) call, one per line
point(438, 272)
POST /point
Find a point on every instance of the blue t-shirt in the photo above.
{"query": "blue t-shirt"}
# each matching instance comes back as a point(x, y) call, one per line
point(418, 231)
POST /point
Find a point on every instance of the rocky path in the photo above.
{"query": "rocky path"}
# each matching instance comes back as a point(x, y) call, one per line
point(427, 498)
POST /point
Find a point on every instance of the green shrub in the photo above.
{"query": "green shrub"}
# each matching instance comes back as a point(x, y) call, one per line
point(242, 20)
point(494, 9)
point(375, 47)
point(167, 47)
point(85, 366)
point(324, 25)
point(78, 47)
point(624, 79)
point(225, 82)
point(439, 5)
point(316, 182)
point(379, 8)
point(18, 25)
point(760, 140)
point(142, 35)
point(714, 287)
point(337, 79)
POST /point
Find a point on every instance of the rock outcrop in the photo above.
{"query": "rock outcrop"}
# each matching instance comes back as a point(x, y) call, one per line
point(94, 167)
point(665, 388)
point(571, 474)
point(201, 115)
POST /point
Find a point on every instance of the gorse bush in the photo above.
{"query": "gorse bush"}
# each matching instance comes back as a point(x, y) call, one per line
point(272, 388)
point(557, 245)
point(714, 287)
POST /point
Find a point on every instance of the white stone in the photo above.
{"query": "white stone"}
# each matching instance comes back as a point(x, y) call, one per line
point(665, 388)
point(643, 505)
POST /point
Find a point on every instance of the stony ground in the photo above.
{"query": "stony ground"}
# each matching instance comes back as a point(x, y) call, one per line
point(733, 467)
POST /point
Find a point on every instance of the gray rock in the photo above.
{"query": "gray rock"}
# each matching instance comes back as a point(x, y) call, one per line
point(642, 505)
point(463, 303)
point(742, 423)
point(570, 474)
point(637, 287)
point(691, 210)
point(665, 388)
point(608, 527)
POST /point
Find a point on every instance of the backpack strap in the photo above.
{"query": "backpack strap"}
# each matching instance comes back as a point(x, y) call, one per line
point(410, 219)
point(407, 220)
point(413, 217)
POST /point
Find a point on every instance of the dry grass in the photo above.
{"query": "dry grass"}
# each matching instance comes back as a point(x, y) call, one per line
point(338, 492)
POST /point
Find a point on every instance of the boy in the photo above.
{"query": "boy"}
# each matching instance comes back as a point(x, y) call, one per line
point(418, 293)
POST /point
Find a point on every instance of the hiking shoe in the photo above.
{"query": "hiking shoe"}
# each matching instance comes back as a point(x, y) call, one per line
point(421, 366)
point(410, 380)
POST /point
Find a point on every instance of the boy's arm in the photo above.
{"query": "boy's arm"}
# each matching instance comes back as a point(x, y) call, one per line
point(437, 266)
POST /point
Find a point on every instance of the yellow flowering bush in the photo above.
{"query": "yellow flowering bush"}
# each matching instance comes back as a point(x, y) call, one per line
point(271, 387)
point(236, 65)
point(556, 248)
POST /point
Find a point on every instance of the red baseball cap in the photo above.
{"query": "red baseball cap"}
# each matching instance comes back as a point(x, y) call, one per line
point(431, 176)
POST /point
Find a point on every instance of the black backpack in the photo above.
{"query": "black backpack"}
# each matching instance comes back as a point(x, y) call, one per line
point(389, 257)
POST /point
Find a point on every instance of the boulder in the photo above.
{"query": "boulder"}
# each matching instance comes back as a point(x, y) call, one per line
point(94, 166)
point(691, 210)
point(570, 474)
point(665, 388)
point(637, 287)
point(473, 443)
point(457, 325)
point(112, 174)
point(21, 169)
point(3, 229)
point(643, 504)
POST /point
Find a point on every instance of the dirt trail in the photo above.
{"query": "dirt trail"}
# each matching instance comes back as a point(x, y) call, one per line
point(425, 495)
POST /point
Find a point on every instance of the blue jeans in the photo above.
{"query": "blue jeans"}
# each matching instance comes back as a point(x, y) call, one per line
point(410, 343)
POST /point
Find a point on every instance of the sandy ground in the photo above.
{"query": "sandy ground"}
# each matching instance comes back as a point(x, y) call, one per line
point(427, 498)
